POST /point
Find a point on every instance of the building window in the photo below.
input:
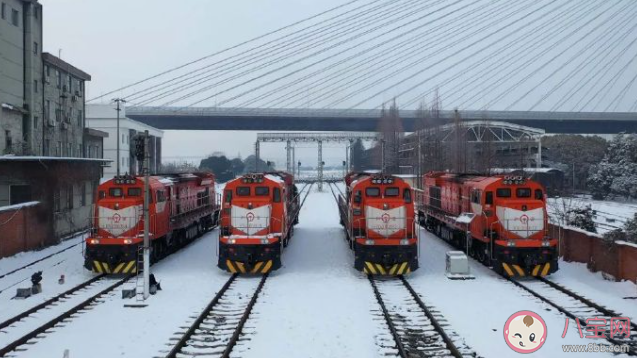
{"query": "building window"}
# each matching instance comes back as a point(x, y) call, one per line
point(58, 113)
point(47, 147)
point(20, 194)
point(47, 70)
point(35, 86)
point(70, 84)
point(58, 78)
point(79, 118)
point(8, 142)
point(71, 114)
point(35, 12)
point(69, 148)
point(35, 121)
point(4, 11)
point(58, 149)
point(35, 48)
point(15, 17)
point(123, 139)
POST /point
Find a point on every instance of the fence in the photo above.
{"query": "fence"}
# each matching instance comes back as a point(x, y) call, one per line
point(617, 259)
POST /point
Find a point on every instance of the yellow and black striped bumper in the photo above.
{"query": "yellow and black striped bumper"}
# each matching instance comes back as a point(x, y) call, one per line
point(538, 270)
point(261, 267)
point(401, 268)
point(122, 267)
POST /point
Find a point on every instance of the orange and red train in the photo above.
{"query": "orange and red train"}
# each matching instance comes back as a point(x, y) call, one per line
point(257, 221)
point(182, 206)
point(501, 220)
point(378, 214)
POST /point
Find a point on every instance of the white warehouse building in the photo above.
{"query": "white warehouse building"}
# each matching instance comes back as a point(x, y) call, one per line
point(103, 117)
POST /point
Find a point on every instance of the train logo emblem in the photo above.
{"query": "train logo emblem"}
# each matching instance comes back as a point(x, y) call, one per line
point(250, 217)
point(116, 218)
point(525, 332)
point(385, 218)
point(524, 219)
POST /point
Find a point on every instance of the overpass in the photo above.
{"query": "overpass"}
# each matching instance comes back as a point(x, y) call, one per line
point(363, 120)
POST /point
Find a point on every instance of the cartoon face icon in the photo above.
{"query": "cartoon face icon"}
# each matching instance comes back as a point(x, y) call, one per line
point(525, 332)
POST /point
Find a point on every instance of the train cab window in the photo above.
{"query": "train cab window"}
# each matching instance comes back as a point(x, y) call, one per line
point(228, 196)
point(503, 193)
point(488, 198)
point(262, 191)
point(115, 192)
point(161, 196)
point(392, 191)
point(102, 194)
point(134, 192)
point(407, 196)
point(276, 195)
point(372, 192)
point(523, 192)
point(358, 197)
point(243, 191)
point(539, 195)
point(475, 196)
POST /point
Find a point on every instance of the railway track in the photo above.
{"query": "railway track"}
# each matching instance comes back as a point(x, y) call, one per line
point(576, 307)
point(416, 330)
point(220, 325)
point(20, 329)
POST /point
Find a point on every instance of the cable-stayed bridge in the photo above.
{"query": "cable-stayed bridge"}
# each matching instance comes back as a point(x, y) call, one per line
point(325, 120)
point(567, 66)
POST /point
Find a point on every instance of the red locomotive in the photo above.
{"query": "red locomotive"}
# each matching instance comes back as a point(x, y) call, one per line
point(503, 217)
point(257, 221)
point(379, 219)
point(182, 206)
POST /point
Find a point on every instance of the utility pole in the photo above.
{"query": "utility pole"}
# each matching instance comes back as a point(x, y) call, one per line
point(257, 155)
point(382, 156)
point(118, 109)
point(146, 218)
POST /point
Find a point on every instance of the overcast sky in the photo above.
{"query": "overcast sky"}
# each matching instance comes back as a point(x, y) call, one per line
point(484, 54)
point(121, 41)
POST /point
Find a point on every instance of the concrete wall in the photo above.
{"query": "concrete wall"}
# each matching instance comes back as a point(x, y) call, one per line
point(20, 66)
point(616, 259)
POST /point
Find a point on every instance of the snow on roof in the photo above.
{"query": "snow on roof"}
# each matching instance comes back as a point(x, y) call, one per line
point(274, 178)
point(465, 218)
point(528, 170)
point(626, 243)
point(166, 181)
point(11, 157)
point(18, 206)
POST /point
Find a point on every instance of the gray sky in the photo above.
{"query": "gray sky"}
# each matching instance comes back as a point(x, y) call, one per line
point(568, 55)
point(121, 41)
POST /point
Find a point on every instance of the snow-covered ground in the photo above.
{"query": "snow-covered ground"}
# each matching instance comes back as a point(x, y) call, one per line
point(610, 215)
point(317, 305)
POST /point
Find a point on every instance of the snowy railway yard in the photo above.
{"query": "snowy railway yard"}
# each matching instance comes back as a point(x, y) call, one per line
point(316, 305)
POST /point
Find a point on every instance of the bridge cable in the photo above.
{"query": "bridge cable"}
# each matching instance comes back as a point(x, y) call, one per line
point(511, 88)
point(227, 49)
point(354, 68)
point(268, 49)
point(320, 51)
point(518, 50)
point(508, 25)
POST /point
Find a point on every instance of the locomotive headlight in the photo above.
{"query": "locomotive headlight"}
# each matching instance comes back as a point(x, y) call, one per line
point(232, 241)
point(128, 241)
point(265, 241)
point(94, 241)
point(369, 242)
point(404, 242)
point(511, 243)
point(546, 243)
